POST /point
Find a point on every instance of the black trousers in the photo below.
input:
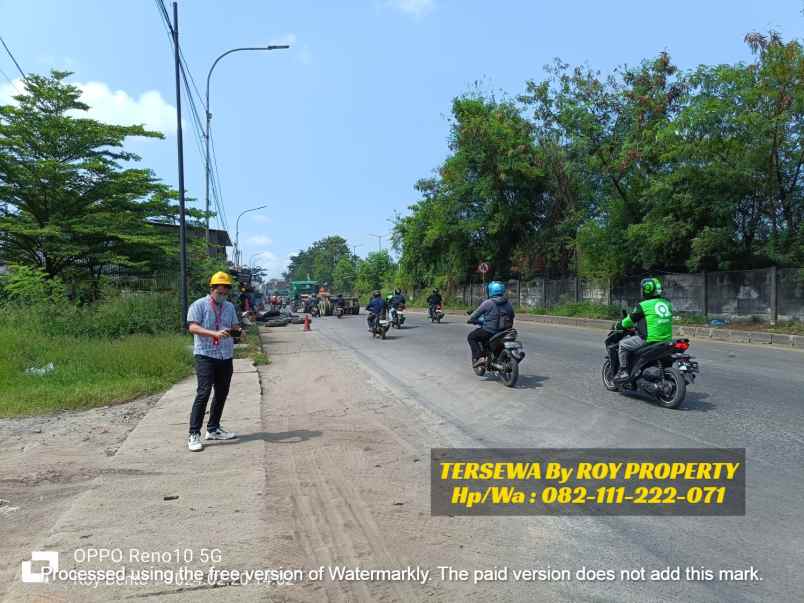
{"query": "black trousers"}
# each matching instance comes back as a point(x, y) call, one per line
point(477, 342)
point(211, 373)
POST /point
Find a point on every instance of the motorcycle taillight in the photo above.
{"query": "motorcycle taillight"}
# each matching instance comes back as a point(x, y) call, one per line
point(681, 345)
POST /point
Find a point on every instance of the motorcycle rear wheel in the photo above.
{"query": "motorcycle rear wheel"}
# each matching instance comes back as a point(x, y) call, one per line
point(510, 372)
point(607, 376)
point(677, 393)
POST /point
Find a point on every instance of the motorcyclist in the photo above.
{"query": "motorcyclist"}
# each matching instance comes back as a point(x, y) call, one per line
point(397, 299)
point(653, 319)
point(375, 307)
point(494, 315)
point(339, 301)
point(433, 301)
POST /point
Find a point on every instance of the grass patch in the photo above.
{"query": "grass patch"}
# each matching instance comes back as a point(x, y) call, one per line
point(578, 310)
point(88, 371)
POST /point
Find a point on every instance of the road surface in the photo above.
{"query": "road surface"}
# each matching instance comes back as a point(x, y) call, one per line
point(746, 396)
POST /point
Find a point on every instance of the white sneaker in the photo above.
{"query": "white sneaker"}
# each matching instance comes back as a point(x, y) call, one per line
point(220, 434)
point(194, 442)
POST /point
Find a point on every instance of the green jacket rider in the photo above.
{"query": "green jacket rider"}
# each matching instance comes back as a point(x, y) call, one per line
point(653, 319)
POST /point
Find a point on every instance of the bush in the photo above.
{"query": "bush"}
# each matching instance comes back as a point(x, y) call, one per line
point(115, 317)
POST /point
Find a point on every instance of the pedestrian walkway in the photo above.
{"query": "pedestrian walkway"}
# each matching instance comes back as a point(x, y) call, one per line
point(195, 510)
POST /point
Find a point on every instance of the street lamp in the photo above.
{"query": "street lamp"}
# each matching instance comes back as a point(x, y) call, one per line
point(379, 241)
point(209, 118)
point(237, 232)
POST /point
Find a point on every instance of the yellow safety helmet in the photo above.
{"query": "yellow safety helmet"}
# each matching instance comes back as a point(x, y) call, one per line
point(220, 278)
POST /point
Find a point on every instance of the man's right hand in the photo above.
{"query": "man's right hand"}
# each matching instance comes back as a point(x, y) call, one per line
point(221, 334)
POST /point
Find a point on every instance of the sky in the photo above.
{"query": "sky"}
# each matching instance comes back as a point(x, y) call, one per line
point(332, 134)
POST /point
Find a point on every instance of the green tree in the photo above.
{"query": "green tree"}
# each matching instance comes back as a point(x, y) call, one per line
point(71, 208)
point(318, 261)
point(485, 202)
point(377, 271)
point(345, 275)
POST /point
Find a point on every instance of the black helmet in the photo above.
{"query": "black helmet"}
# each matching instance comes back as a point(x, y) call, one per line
point(376, 293)
point(435, 290)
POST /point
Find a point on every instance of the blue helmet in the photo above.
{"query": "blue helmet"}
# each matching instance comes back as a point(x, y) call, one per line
point(496, 288)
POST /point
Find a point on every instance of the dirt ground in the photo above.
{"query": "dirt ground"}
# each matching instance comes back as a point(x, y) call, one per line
point(45, 462)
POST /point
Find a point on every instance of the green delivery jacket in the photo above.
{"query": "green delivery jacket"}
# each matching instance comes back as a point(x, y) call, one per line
point(653, 319)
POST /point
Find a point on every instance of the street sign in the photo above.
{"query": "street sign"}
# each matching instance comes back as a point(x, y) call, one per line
point(483, 268)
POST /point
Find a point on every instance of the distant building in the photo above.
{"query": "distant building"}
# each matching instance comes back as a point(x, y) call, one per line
point(218, 239)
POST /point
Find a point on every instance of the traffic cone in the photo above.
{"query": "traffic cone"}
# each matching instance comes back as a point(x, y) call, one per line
point(307, 322)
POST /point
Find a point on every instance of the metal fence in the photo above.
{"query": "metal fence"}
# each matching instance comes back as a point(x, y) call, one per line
point(767, 294)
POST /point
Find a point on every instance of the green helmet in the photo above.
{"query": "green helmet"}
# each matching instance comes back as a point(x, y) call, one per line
point(651, 287)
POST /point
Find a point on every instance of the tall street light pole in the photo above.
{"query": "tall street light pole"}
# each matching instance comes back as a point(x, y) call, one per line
point(379, 241)
point(237, 232)
point(209, 118)
point(180, 147)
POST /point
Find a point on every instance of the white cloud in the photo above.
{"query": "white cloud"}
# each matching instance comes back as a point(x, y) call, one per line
point(260, 240)
point(416, 8)
point(114, 107)
point(273, 264)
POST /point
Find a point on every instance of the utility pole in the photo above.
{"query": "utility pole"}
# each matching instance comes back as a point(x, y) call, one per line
point(180, 145)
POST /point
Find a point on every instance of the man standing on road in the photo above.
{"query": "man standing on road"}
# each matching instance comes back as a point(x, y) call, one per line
point(212, 320)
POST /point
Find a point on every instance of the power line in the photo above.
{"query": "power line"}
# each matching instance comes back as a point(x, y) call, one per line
point(198, 129)
point(8, 50)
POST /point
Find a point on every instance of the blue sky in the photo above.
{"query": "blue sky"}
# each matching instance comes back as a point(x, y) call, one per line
point(333, 134)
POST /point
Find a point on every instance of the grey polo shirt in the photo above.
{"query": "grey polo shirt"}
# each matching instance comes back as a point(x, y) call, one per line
point(202, 311)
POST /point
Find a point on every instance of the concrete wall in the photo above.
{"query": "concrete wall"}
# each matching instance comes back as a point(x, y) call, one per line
point(736, 295)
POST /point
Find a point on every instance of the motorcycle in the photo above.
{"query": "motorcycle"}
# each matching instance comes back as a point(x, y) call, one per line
point(339, 311)
point(379, 326)
point(436, 313)
point(503, 355)
point(397, 316)
point(661, 370)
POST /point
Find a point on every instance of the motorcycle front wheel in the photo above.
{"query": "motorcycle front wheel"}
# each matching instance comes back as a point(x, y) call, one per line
point(674, 396)
point(510, 372)
point(607, 376)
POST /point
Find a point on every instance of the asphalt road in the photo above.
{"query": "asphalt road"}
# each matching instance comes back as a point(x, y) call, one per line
point(746, 397)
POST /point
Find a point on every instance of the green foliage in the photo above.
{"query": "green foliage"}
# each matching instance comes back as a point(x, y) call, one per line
point(70, 207)
point(377, 271)
point(345, 275)
point(30, 285)
point(647, 169)
point(485, 201)
point(112, 318)
point(319, 261)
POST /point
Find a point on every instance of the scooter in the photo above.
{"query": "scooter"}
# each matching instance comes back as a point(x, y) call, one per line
point(397, 316)
point(436, 313)
point(503, 355)
point(379, 326)
point(661, 370)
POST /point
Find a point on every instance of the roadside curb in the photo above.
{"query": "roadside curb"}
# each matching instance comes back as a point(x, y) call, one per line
point(702, 332)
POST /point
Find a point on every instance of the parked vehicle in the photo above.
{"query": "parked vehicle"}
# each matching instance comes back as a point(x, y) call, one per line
point(661, 370)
